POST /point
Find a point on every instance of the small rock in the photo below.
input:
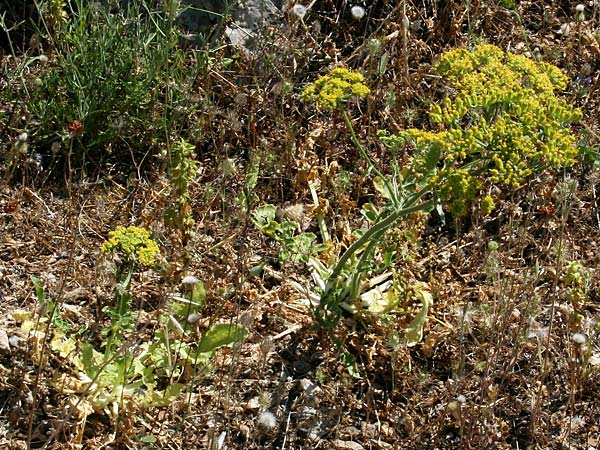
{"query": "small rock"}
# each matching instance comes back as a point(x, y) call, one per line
point(346, 445)
point(4, 343)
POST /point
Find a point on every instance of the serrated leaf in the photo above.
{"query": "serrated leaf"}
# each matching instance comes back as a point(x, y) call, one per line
point(221, 335)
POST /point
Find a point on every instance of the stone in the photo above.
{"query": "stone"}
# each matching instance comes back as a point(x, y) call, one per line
point(4, 343)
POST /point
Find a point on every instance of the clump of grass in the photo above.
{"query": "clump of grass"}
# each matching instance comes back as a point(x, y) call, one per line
point(119, 75)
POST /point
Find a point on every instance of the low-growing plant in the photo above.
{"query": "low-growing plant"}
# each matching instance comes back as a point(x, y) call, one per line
point(504, 124)
point(295, 246)
point(126, 371)
point(117, 75)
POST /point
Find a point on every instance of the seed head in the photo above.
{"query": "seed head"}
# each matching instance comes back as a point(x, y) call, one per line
point(190, 281)
point(358, 12)
point(579, 12)
point(299, 10)
point(266, 422)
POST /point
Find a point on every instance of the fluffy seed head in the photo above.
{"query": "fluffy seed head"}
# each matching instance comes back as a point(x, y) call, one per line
point(299, 10)
point(190, 280)
point(266, 422)
point(358, 12)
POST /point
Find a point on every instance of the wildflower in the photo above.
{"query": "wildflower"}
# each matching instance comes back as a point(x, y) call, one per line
point(134, 242)
point(74, 128)
point(299, 10)
point(358, 12)
point(487, 205)
point(331, 90)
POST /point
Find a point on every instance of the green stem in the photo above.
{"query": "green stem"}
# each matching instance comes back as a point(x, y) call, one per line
point(322, 225)
point(370, 235)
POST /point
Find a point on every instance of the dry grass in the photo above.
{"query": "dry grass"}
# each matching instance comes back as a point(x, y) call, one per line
point(498, 366)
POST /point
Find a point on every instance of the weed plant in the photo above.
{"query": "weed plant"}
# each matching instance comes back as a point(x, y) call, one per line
point(504, 125)
point(127, 371)
point(115, 88)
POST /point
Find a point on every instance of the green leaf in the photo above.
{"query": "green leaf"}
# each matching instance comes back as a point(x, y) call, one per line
point(414, 331)
point(221, 335)
point(169, 395)
point(433, 156)
point(370, 212)
point(350, 364)
point(257, 269)
point(263, 216)
point(382, 187)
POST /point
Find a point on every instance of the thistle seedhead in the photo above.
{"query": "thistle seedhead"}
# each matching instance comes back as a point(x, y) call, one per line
point(299, 10)
point(517, 126)
point(357, 12)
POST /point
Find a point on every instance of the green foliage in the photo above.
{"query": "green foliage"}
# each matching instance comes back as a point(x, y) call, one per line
point(148, 373)
point(295, 246)
point(504, 124)
point(54, 13)
point(220, 335)
point(577, 281)
point(183, 172)
point(115, 80)
point(129, 245)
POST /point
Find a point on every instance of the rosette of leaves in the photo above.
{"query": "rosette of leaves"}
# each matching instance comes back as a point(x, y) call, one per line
point(504, 124)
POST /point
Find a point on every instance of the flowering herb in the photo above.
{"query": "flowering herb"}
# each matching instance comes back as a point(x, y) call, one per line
point(331, 90)
point(134, 242)
point(505, 123)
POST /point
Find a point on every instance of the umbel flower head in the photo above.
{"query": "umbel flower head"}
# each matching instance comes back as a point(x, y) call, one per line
point(504, 124)
point(330, 91)
point(134, 242)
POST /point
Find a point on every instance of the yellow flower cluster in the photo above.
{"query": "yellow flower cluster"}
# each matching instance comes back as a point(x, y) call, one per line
point(329, 91)
point(505, 122)
point(134, 242)
point(458, 187)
